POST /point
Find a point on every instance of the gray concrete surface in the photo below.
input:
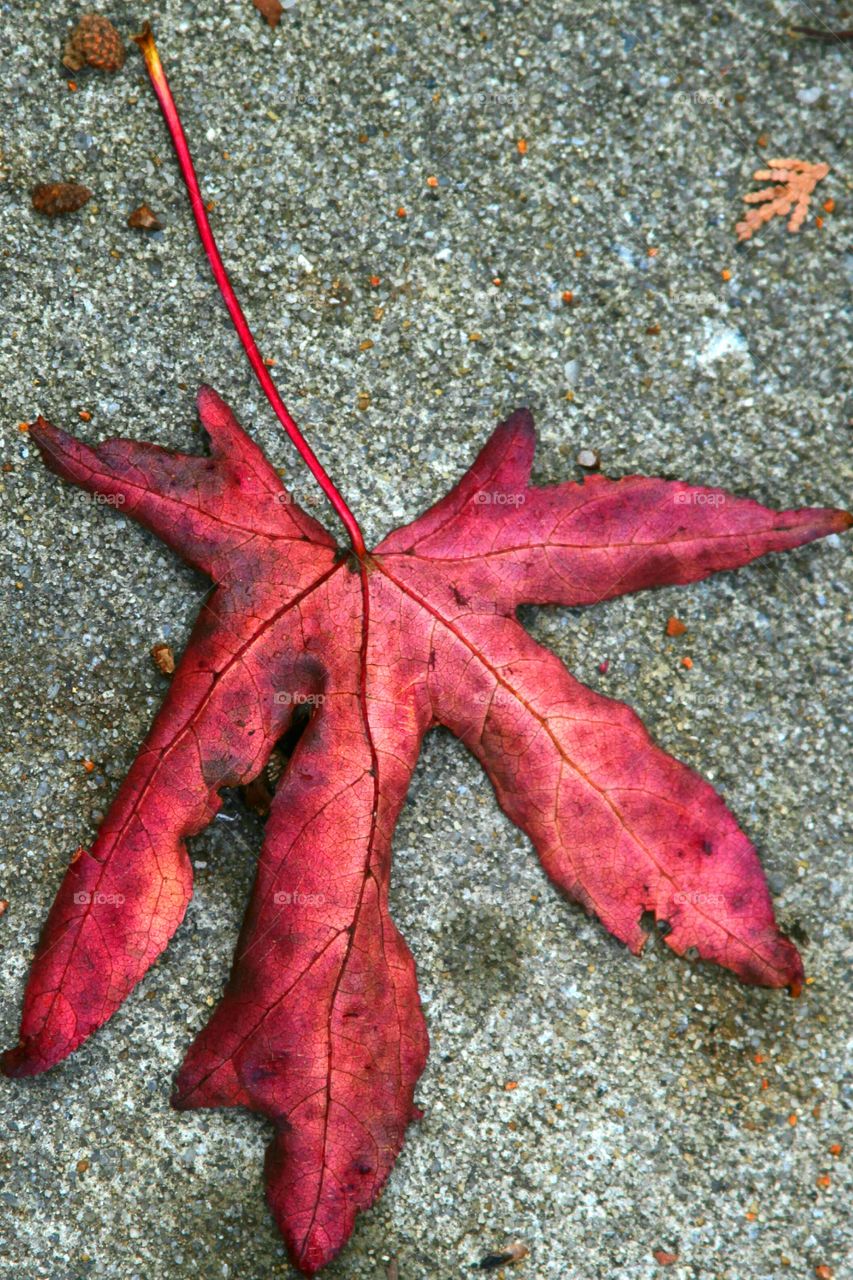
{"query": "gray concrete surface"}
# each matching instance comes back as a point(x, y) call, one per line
point(640, 1121)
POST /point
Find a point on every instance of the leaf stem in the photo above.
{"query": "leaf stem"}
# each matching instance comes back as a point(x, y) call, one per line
point(160, 84)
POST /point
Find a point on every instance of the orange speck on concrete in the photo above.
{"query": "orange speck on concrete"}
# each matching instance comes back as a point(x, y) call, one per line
point(432, 180)
point(84, 415)
point(375, 282)
point(823, 1180)
point(829, 205)
point(687, 663)
point(792, 1119)
point(89, 766)
point(653, 252)
point(522, 146)
point(675, 627)
point(401, 212)
point(510, 1085)
point(818, 222)
point(72, 85)
point(836, 1149)
point(23, 426)
point(726, 274)
point(568, 297)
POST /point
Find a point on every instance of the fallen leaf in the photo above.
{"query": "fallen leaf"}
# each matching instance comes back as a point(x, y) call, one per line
point(795, 180)
point(320, 1028)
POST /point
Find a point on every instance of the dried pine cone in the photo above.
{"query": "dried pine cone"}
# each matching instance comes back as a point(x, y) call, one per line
point(54, 198)
point(94, 42)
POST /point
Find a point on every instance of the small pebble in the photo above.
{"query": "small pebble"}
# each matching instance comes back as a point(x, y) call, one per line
point(589, 459)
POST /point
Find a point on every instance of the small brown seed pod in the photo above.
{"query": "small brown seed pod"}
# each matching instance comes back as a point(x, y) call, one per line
point(55, 198)
point(164, 659)
point(94, 42)
point(144, 219)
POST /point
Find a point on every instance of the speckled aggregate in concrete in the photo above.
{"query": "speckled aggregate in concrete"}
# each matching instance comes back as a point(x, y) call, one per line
point(641, 1120)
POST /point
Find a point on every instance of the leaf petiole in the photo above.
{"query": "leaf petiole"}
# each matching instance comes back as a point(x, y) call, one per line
point(160, 84)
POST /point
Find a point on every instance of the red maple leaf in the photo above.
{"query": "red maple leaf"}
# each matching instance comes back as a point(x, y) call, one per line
point(320, 1028)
